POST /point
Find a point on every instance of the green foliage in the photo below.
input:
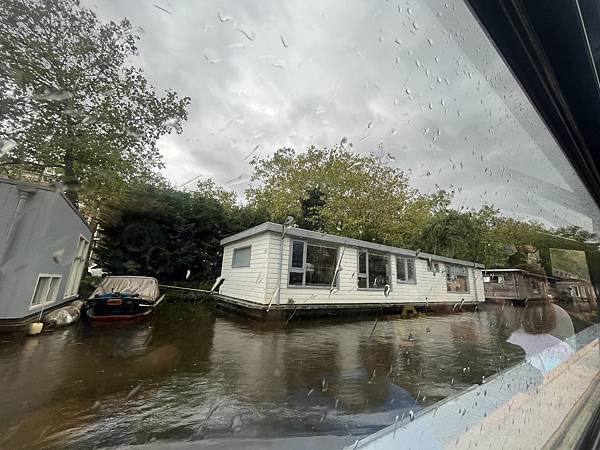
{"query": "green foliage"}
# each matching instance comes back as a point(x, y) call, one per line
point(77, 109)
point(337, 191)
point(162, 232)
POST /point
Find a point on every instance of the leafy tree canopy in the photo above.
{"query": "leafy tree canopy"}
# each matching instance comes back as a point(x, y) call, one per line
point(74, 109)
point(339, 192)
point(161, 232)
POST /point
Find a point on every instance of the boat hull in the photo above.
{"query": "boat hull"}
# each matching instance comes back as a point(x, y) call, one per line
point(117, 309)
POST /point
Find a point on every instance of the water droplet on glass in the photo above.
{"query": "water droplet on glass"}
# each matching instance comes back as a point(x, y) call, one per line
point(223, 18)
point(187, 274)
point(171, 123)
point(134, 391)
point(72, 112)
point(212, 56)
point(58, 256)
point(6, 145)
point(398, 41)
point(88, 119)
point(418, 63)
point(283, 42)
point(54, 95)
point(408, 91)
point(248, 35)
point(236, 423)
point(430, 42)
point(132, 132)
point(415, 25)
point(411, 415)
point(430, 105)
point(370, 124)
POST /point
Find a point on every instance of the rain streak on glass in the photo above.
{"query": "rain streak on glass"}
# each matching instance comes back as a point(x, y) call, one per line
point(368, 185)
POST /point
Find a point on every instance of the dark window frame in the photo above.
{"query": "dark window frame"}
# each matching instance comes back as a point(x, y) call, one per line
point(365, 274)
point(302, 270)
point(450, 268)
point(405, 261)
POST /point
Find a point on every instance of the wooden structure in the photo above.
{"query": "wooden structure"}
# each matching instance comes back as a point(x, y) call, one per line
point(502, 285)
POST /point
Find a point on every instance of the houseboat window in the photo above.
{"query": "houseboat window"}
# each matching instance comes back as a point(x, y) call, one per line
point(46, 289)
point(241, 257)
point(373, 270)
point(494, 279)
point(77, 267)
point(298, 254)
point(312, 265)
point(456, 278)
point(405, 269)
point(433, 266)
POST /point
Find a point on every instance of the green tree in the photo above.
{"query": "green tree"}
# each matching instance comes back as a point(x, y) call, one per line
point(74, 109)
point(337, 191)
point(483, 235)
point(162, 232)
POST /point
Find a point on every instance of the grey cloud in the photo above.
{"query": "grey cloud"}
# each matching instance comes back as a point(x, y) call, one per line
point(342, 68)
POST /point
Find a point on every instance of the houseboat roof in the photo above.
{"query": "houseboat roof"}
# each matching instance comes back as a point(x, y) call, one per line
point(32, 186)
point(525, 272)
point(504, 270)
point(316, 235)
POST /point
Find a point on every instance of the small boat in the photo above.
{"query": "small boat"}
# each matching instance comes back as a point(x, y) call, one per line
point(123, 298)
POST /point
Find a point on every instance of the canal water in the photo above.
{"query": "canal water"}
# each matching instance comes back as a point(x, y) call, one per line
point(191, 373)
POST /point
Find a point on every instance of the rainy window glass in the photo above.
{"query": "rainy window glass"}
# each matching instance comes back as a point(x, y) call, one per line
point(241, 257)
point(299, 224)
point(405, 269)
point(298, 254)
point(319, 267)
point(376, 271)
point(456, 277)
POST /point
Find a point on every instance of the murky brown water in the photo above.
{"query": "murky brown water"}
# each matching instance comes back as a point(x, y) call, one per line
point(193, 373)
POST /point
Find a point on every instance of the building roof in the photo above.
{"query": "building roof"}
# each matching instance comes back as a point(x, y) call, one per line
point(315, 235)
point(42, 187)
point(524, 272)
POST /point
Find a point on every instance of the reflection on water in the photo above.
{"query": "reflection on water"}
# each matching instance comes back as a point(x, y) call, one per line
point(192, 373)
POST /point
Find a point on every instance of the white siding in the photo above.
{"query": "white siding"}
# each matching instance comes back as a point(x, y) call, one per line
point(242, 283)
point(428, 287)
point(246, 283)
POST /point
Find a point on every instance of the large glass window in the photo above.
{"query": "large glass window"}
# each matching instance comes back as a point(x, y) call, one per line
point(312, 265)
point(405, 270)
point(241, 257)
point(373, 270)
point(456, 278)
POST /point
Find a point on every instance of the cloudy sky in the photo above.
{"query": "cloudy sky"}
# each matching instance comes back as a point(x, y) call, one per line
point(417, 79)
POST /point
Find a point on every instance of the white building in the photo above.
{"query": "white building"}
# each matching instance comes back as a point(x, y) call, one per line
point(266, 269)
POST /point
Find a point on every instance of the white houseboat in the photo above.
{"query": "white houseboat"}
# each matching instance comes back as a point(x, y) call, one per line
point(272, 270)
